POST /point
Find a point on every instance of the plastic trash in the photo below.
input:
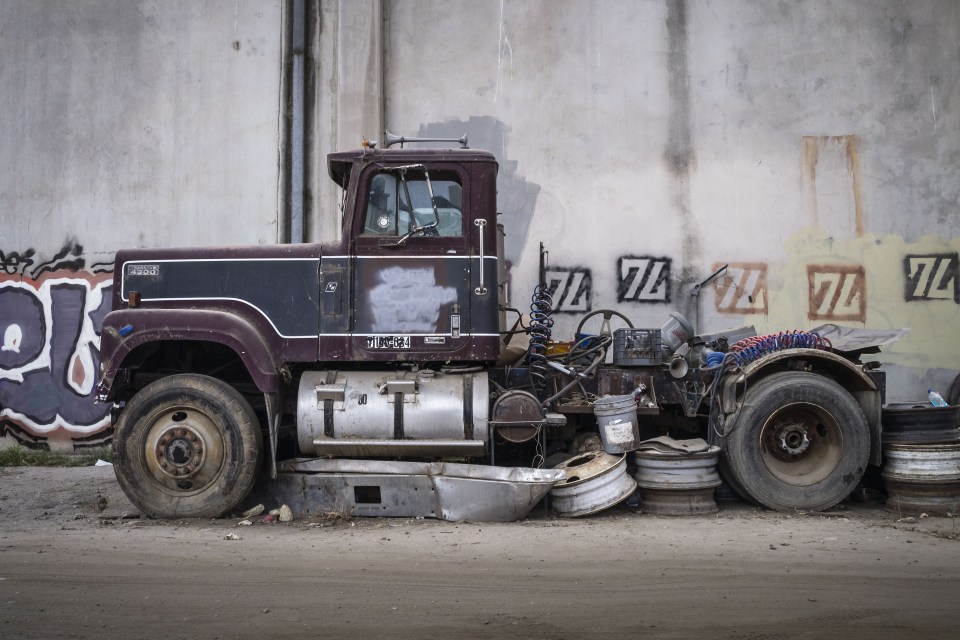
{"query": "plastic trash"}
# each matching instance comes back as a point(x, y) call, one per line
point(936, 399)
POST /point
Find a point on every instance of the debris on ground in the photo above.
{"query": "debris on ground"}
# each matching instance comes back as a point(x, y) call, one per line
point(254, 511)
point(286, 515)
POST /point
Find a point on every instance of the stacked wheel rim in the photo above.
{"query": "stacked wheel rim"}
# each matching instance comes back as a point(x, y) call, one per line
point(677, 483)
point(916, 423)
point(922, 478)
point(595, 481)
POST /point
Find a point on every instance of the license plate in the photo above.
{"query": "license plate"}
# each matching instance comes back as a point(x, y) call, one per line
point(388, 342)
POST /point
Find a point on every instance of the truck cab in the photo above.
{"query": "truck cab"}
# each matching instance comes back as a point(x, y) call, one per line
point(375, 345)
point(415, 277)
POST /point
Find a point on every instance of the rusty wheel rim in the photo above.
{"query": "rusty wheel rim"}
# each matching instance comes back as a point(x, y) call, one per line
point(801, 444)
point(184, 450)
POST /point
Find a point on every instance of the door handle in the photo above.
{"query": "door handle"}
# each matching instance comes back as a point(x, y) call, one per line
point(480, 223)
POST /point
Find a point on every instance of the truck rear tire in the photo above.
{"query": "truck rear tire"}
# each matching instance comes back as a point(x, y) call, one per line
point(187, 446)
point(799, 442)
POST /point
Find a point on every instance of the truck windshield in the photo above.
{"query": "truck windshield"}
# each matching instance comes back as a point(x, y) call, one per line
point(393, 210)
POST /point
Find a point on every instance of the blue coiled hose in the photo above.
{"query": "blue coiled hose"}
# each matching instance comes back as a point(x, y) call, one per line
point(541, 326)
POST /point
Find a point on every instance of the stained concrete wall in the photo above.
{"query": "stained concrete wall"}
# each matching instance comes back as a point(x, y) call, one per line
point(138, 123)
point(124, 124)
point(812, 148)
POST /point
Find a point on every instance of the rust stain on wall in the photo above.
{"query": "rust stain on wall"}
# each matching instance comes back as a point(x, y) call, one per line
point(831, 176)
point(854, 158)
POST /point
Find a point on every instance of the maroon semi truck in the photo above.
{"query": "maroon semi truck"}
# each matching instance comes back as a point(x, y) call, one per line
point(396, 343)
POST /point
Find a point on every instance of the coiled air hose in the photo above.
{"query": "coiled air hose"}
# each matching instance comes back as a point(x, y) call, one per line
point(748, 350)
point(541, 326)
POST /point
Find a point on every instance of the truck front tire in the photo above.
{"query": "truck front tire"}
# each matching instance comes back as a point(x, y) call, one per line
point(799, 442)
point(187, 445)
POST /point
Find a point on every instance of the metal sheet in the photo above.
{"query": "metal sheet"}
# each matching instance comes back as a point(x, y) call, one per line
point(445, 491)
point(854, 339)
point(449, 469)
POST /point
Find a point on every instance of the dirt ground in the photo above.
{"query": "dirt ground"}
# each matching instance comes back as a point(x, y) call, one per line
point(74, 564)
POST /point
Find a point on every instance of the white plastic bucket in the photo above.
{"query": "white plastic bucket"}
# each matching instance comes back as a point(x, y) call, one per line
point(674, 332)
point(617, 421)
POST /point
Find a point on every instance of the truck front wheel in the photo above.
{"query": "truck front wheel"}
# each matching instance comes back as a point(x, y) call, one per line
point(799, 442)
point(187, 446)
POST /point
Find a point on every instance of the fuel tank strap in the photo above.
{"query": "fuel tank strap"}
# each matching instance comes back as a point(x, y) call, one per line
point(398, 415)
point(328, 407)
point(468, 407)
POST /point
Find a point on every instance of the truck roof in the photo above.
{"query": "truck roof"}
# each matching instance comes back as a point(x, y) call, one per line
point(340, 163)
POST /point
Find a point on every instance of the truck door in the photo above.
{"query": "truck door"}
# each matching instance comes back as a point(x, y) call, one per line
point(412, 263)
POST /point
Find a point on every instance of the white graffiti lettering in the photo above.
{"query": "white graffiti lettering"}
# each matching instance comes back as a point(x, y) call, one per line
point(50, 352)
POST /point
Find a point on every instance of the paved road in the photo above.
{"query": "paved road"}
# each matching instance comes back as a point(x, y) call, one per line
point(740, 574)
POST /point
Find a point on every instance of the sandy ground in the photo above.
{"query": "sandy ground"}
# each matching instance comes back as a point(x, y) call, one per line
point(71, 570)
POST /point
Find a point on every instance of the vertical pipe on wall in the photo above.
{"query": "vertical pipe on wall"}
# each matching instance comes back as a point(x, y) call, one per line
point(283, 127)
point(297, 132)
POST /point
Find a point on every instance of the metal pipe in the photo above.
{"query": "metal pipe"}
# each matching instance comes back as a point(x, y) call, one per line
point(297, 160)
point(695, 293)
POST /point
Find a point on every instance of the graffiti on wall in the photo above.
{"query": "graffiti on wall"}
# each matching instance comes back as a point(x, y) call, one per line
point(932, 277)
point(51, 313)
point(570, 289)
point(742, 289)
point(837, 292)
point(643, 279)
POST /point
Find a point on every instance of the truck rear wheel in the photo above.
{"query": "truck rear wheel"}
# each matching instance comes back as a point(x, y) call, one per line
point(187, 446)
point(799, 442)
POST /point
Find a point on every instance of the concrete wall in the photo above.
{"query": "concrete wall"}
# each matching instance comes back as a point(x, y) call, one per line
point(813, 148)
point(124, 124)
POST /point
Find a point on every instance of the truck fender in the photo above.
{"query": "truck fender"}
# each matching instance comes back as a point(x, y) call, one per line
point(850, 376)
point(125, 330)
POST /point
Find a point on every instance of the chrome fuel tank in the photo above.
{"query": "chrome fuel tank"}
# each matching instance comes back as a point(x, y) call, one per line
point(392, 413)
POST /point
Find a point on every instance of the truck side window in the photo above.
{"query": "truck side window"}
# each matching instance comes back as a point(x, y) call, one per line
point(390, 214)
